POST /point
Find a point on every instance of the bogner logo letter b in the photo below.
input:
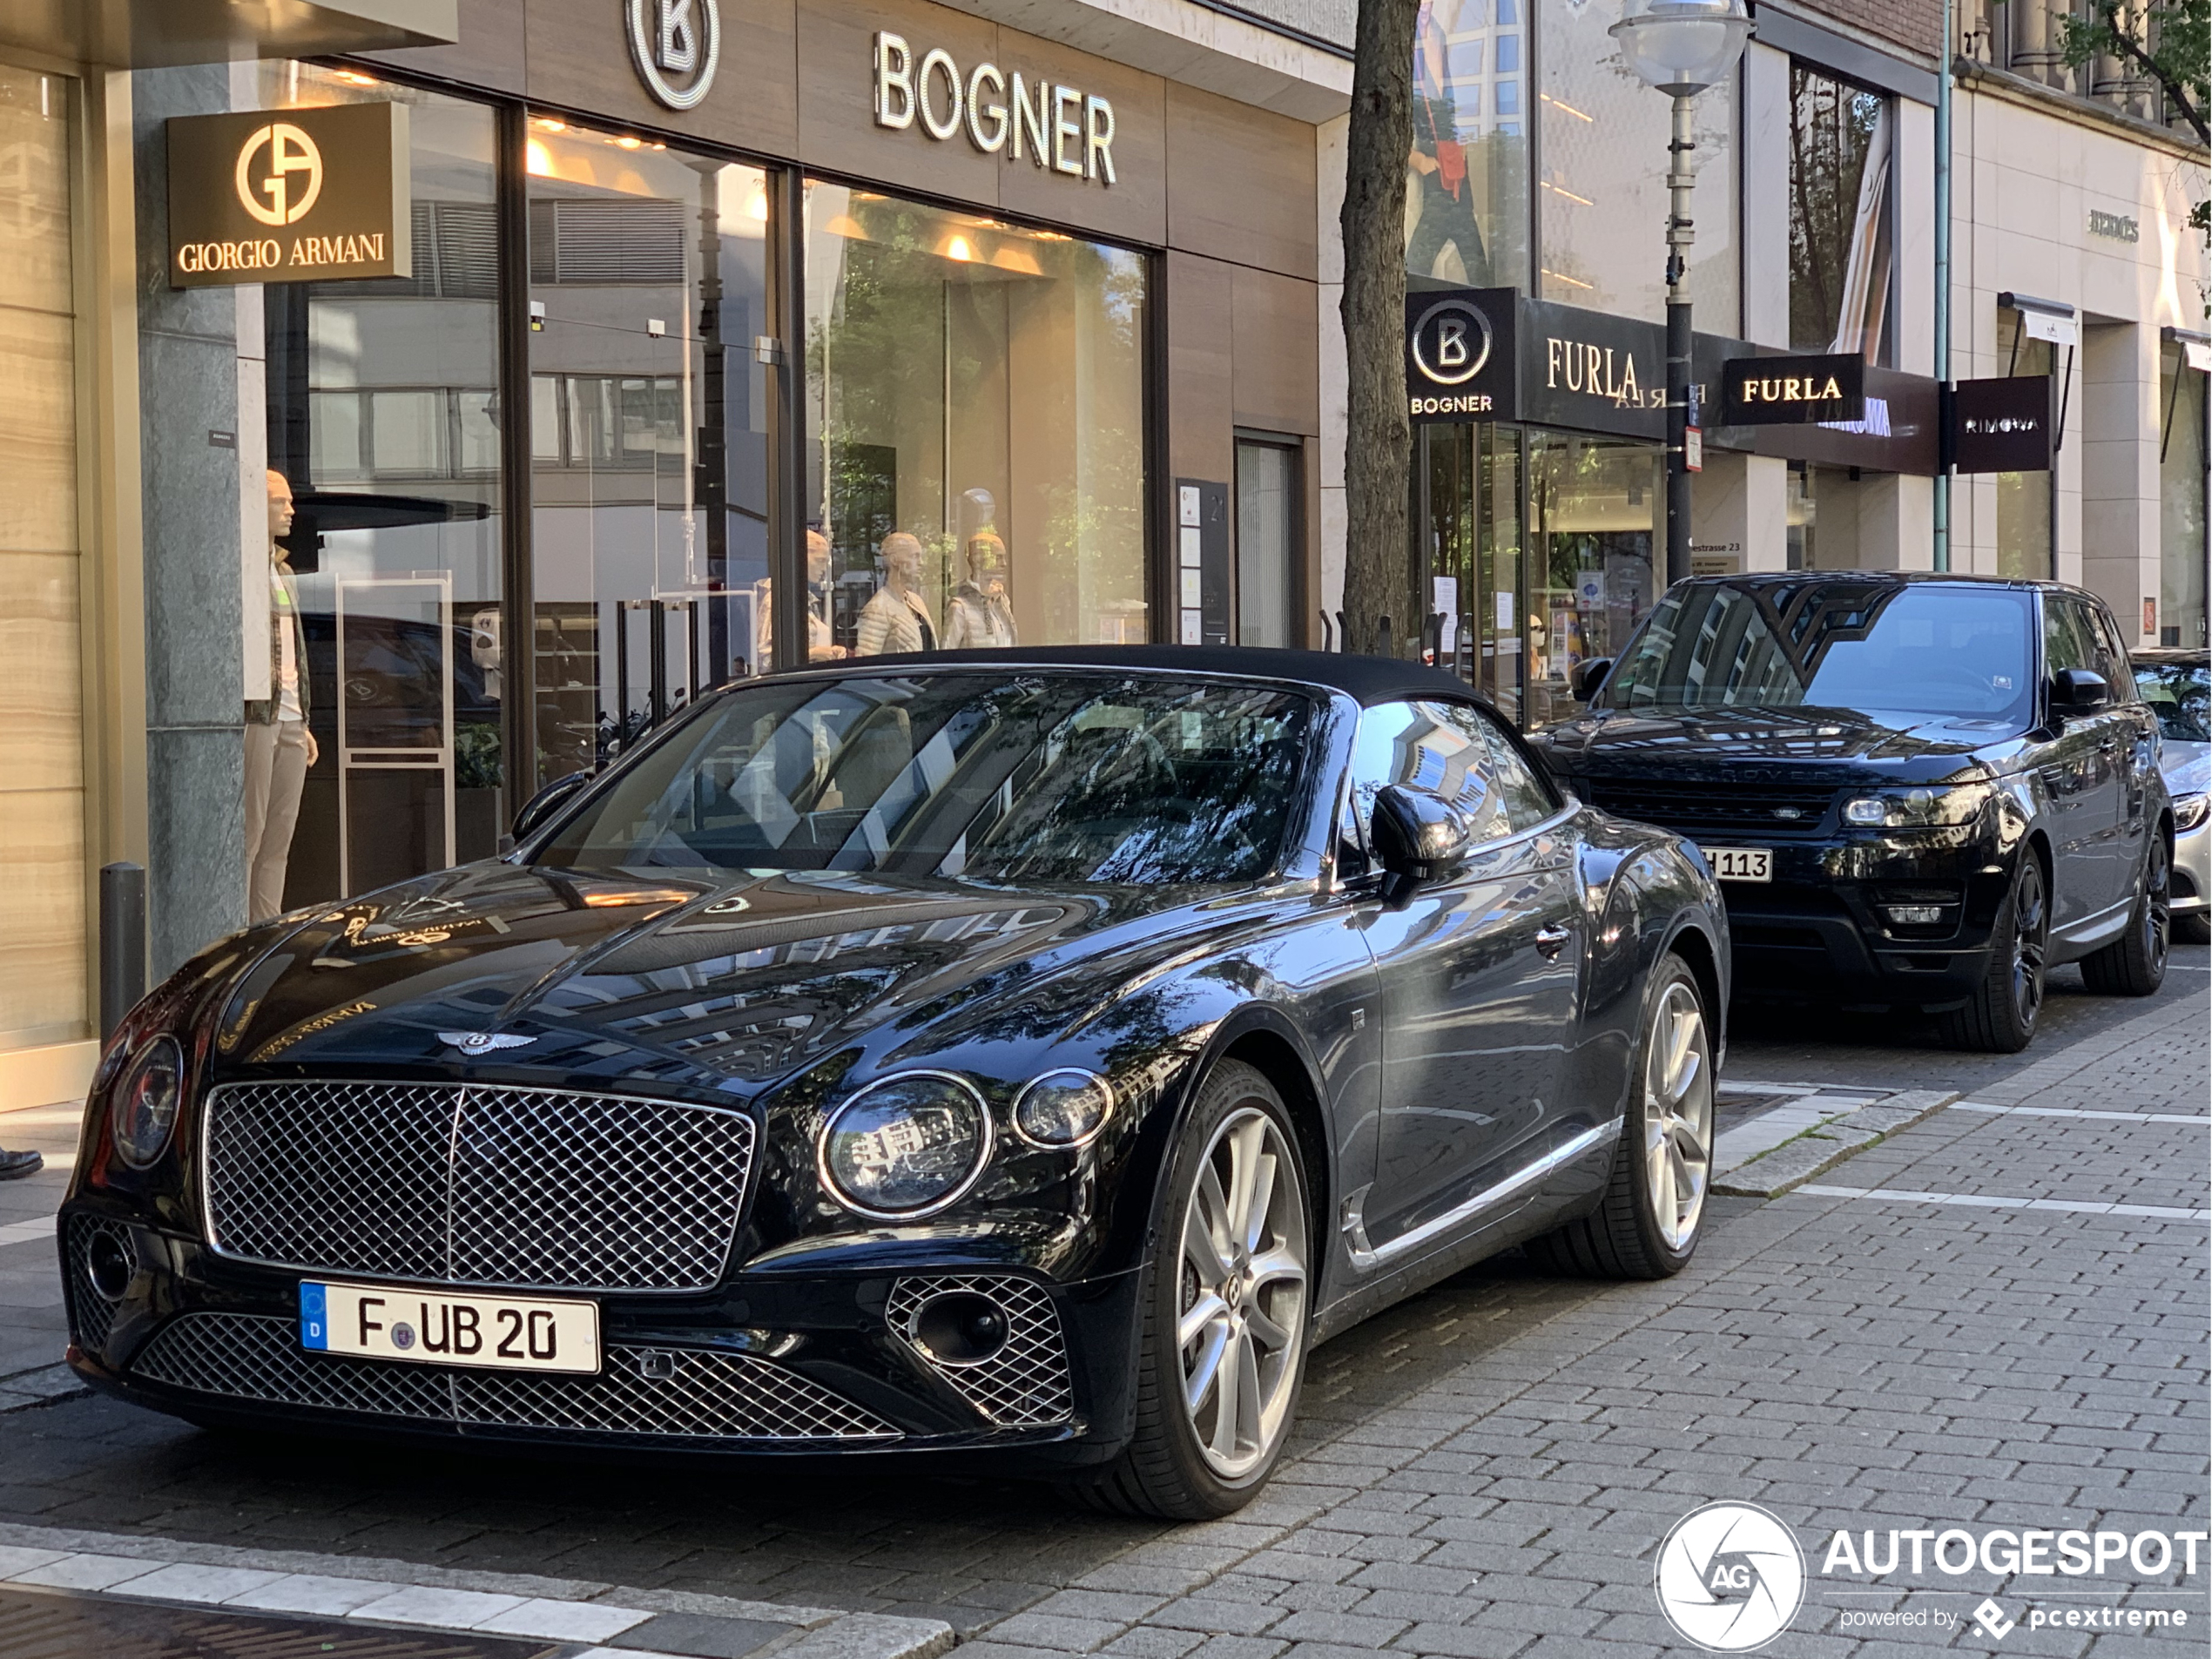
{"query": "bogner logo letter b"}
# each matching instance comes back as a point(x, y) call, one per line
point(676, 45)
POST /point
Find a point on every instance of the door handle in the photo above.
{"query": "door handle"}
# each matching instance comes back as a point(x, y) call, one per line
point(1549, 939)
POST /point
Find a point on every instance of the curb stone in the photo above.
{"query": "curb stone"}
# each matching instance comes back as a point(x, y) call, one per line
point(44, 1554)
point(1818, 1151)
point(20, 1390)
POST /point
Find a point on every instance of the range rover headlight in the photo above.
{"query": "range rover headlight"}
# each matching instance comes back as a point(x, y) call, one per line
point(1916, 808)
point(906, 1147)
point(2189, 811)
point(1062, 1109)
point(143, 1114)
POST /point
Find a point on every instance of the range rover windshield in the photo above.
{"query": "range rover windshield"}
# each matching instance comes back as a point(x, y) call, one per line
point(1023, 777)
point(1918, 650)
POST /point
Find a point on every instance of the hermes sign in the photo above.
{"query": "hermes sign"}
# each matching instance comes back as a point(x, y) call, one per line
point(1062, 129)
point(289, 196)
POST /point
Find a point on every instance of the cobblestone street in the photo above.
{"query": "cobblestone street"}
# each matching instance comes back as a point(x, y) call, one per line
point(1995, 1319)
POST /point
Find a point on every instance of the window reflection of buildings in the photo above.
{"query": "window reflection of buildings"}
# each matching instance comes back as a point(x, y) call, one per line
point(1466, 185)
point(1840, 212)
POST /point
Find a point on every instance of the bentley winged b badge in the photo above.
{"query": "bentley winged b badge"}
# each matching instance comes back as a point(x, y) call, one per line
point(477, 1042)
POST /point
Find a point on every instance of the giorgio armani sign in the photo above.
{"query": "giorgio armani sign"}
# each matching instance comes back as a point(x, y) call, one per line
point(289, 196)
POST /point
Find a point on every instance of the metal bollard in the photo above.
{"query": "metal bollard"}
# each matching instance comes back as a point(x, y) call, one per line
point(123, 942)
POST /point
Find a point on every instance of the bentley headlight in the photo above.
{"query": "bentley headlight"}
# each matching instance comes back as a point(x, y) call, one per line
point(2189, 811)
point(906, 1147)
point(1916, 808)
point(1062, 1109)
point(143, 1114)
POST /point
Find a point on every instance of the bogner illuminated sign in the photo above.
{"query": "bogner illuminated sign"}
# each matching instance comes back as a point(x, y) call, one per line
point(1459, 355)
point(1778, 391)
point(306, 195)
point(1062, 129)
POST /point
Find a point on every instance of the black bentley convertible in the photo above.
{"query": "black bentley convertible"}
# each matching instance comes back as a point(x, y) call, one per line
point(1026, 1051)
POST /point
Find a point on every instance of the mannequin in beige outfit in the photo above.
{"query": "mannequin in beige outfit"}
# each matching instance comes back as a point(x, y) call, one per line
point(821, 648)
point(897, 618)
point(279, 746)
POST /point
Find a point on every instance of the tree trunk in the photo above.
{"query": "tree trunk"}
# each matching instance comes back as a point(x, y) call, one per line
point(1378, 578)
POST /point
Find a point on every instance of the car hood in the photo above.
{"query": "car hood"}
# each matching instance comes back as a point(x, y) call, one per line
point(1614, 740)
point(2187, 767)
point(721, 987)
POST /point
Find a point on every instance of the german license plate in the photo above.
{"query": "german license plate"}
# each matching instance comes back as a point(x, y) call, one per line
point(429, 1327)
point(1741, 863)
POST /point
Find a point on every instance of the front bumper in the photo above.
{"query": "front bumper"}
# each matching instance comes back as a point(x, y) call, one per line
point(2192, 877)
point(768, 1363)
point(1824, 925)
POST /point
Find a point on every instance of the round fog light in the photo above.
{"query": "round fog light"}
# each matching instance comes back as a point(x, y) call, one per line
point(108, 1264)
point(959, 1328)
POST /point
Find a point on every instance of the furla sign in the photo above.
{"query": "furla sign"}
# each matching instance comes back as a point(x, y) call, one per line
point(1058, 128)
point(1780, 391)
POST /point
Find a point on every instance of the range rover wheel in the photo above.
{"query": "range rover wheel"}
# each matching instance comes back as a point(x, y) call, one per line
point(1225, 1310)
point(1653, 1210)
point(2135, 964)
point(2001, 1016)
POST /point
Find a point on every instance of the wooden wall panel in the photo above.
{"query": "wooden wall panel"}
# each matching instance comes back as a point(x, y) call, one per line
point(1275, 331)
point(1135, 209)
point(1241, 184)
point(579, 58)
point(1199, 301)
point(837, 129)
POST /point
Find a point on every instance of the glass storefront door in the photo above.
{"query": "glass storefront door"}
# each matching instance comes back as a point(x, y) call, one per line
point(1593, 506)
point(1472, 511)
point(648, 431)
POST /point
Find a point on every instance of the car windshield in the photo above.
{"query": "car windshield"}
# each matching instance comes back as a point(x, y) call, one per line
point(1023, 777)
point(1922, 650)
point(2178, 694)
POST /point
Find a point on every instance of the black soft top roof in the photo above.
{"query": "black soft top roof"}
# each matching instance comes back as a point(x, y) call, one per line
point(1368, 680)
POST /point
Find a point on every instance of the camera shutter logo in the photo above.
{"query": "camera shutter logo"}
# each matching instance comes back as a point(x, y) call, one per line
point(269, 193)
point(1451, 342)
point(676, 45)
point(1729, 1577)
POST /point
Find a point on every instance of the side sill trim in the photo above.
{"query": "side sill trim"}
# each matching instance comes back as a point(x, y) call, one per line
point(1366, 1258)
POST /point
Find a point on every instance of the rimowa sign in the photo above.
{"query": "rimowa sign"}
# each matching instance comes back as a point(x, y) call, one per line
point(310, 195)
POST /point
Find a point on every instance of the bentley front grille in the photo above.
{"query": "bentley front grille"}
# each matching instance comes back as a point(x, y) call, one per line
point(475, 1185)
point(676, 1394)
point(91, 1308)
point(1022, 1382)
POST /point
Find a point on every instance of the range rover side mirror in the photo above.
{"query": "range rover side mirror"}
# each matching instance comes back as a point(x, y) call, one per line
point(2079, 690)
point(546, 802)
point(1419, 838)
point(1585, 677)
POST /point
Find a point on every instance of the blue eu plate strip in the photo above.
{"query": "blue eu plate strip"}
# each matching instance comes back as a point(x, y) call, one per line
point(314, 1325)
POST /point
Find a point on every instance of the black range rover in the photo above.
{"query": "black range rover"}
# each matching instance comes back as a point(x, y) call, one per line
point(1916, 790)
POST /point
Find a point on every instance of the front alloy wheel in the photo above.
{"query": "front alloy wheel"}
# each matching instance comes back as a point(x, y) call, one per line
point(1224, 1305)
point(2001, 1014)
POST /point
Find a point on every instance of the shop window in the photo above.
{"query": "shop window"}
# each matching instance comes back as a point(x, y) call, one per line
point(1468, 190)
point(974, 431)
point(2183, 466)
point(1840, 261)
point(1602, 201)
point(648, 433)
point(1594, 506)
point(1470, 512)
point(384, 434)
point(1270, 550)
point(2023, 499)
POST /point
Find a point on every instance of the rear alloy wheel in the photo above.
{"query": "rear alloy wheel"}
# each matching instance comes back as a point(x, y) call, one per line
point(1649, 1225)
point(2001, 1016)
point(2135, 964)
point(1226, 1304)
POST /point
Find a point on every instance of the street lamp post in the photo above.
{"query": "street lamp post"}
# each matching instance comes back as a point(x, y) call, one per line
point(1680, 47)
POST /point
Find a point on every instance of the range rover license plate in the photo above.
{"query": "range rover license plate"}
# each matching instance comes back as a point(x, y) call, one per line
point(494, 1332)
point(1741, 863)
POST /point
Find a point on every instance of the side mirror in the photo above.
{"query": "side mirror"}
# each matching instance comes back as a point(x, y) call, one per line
point(2079, 690)
point(546, 802)
point(1586, 676)
point(1418, 836)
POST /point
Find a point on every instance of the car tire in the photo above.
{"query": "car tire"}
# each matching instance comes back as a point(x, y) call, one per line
point(2135, 964)
point(2001, 1017)
point(1192, 1463)
point(1653, 1213)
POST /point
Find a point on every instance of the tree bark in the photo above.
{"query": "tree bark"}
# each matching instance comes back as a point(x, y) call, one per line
point(1378, 574)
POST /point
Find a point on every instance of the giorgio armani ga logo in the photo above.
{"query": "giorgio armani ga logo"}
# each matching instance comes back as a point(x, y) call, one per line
point(279, 173)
